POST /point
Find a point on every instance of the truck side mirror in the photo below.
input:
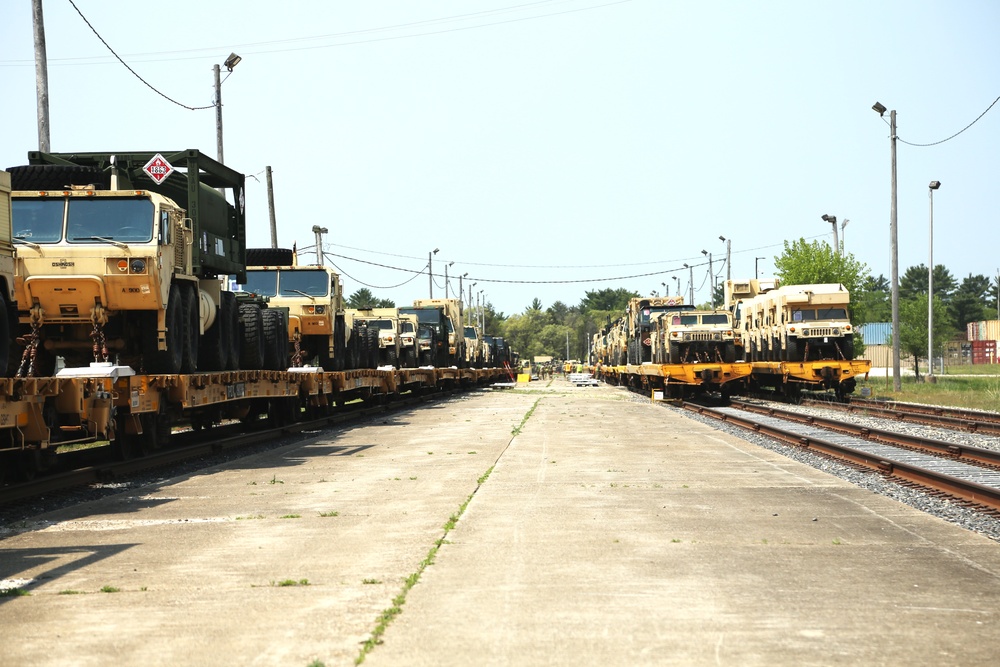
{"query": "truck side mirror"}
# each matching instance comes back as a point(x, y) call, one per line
point(164, 230)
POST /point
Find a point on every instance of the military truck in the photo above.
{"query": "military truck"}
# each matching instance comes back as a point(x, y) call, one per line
point(637, 327)
point(692, 336)
point(319, 327)
point(473, 347)
point(443, 319)
point(385, 323)
point(8, 309)
point(738, 295)
point(124, 254)
point(800, 323)
point(408, 342)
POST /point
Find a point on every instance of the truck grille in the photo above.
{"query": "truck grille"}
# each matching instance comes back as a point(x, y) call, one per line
point(179, 246)
point(703, 335)
point(825, 331)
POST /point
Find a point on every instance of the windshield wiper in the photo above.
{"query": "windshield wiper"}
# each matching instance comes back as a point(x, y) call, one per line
point(117, 244)
point(23, 241)
point(309, 296)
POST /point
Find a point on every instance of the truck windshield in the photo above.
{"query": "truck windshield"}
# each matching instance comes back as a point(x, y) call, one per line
point(820, 314)
point(38, 220)
point(309, 281)
point(104, 218)
point(715, 319)
point(263, 283)
point(384, 325)
point(470, 332)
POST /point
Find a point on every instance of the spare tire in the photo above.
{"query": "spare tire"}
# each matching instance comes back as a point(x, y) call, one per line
point(269, 256)
point(55, 177)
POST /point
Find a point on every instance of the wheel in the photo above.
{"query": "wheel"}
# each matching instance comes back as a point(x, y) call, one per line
point(792, 349)
point(252, 343)
point(326, 362)
point(373, 348)
point(229, 314)
point(339, 344)
point(391, 358)
point(269, 257)
point(675, 353)
point(275, 347)
point(848, 348)
point(165, 361)
point(191, 329)
point(729, 353)
point(410, 358)
point(213, 347)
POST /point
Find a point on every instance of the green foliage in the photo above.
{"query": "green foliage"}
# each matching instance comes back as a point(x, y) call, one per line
point(913, 327)
point(364, 298)
point(914, 282)
point(615, 300)
point(803, 263)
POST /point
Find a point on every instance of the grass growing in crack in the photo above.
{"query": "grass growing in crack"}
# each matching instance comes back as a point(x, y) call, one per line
point(13, 592)
point(370, 581)
point(329, 513)
point(291, 516)
point(275, 480)
point(70, 592)
point(527, 416)
point(110, 589)
point(387, 615)
point(291, 582)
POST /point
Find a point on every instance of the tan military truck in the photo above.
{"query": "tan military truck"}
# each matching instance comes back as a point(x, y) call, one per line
point(386, 324)
point(739, 296)
point(693, 336)
point(408, 344)
point(801, 323)
point(637, 325)
point(8, 309)
point(441, 321)
point(122, 256)
point(319, 327)
point(473, 347)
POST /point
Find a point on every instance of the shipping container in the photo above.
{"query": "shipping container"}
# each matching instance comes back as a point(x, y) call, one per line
point(984, 352)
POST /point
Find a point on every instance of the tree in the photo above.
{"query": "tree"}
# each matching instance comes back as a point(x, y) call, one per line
point(872, 302)
point(558, 311)
point(816, 263)
point(914, 281)
point(364, 298)
point(968, 303)
point(535, 304)
point(913, 327)
point(607, 299)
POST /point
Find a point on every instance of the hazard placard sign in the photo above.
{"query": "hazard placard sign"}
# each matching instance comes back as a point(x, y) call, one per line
point(158, 169)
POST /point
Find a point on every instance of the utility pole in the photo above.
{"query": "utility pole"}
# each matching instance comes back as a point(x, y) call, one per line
point(270, 208)
point(319, 231)
point(729, 272)
point(430, 271)
point(41, 76)
point(897, 381)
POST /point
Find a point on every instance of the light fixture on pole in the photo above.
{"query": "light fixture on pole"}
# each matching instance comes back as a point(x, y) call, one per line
point(897, 382)
point(319, 231)
point(832, 219)
point(690, 283)
point(934, 185)
point(232, 61)
point(678, 281)
point(446, 278)
point(430, 272)
point(461, 294)
point(666, 292)
point(729, 272)
point(472, 312)
point(843, 236)
point(711, 277)
point(756, 266)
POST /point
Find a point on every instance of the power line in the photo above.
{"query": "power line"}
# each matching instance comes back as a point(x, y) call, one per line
point(901, 140)
point(134, 73)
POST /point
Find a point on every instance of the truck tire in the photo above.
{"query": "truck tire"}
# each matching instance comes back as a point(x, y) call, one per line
point(269, 256)
point(409, 358)
point(274, 343)
point(55, 177)
point(391, 358)
point(252, 340)
point(848, 348)
point(229, 314)
point(165, 362)
point(729, 353)
point(373, 348)
point(191, 328)
point(792, 352)
point(212, 350)
point(675, 353)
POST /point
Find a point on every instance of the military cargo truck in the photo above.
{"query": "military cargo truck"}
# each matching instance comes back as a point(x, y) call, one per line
point(123, 255)
point(385, 323)
point(319, 328)
point(738, 295)
point(802, 323)
point(408, 342)
point(473, 347)
point(444, 318)
point(8, 309)
point(692, 336)
point(638, 314)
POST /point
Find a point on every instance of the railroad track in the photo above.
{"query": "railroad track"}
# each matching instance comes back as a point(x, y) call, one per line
point(190, 445)
point(970, 474)
point(972, 421)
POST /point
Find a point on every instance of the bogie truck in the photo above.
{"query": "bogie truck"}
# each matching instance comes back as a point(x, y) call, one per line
point(124, 256)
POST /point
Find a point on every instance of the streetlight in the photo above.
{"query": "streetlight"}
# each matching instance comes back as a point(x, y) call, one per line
point(232, 61)
point(678, 281)
point(756, 264)
point(430, 272)
point(461, 294)
point(691, 283)
point(843, 235)
point(934, 185)
point(446, 278)
point(319, 231)
point(832, 219)
point(711, 276)
point(897, 382)
point(729, 273)
point(472, 313)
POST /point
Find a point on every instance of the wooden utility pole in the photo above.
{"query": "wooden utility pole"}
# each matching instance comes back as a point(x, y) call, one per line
point(270, 207)
point(41, 76)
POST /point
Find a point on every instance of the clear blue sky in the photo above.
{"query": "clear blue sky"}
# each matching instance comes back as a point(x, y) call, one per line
point(548, 141)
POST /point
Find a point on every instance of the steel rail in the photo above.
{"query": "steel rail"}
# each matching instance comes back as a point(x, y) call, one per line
point(965, 489)
point(965, 453)
point(972, 421)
